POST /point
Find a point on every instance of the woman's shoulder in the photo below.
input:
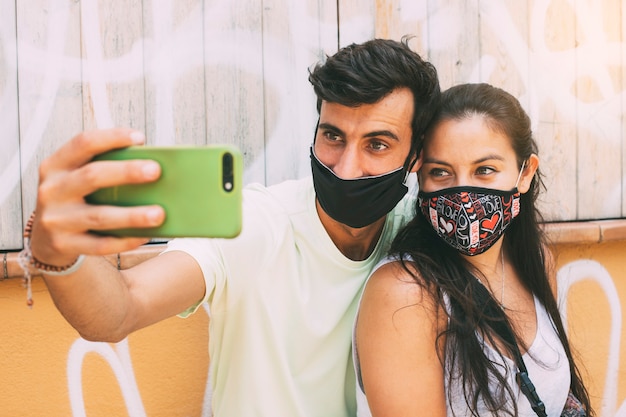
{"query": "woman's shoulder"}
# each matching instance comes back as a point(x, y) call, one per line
point(396, 284)
point(396, 343)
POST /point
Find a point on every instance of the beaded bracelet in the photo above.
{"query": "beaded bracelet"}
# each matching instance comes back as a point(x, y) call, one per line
point(26, 260)
point(57, 270)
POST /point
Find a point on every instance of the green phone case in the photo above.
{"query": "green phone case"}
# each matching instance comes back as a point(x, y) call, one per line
point(193, 190)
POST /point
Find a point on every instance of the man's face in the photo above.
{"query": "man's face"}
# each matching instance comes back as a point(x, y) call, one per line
point(371, 139)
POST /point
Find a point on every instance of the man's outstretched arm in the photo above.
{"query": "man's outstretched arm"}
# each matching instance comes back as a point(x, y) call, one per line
point(101, 302)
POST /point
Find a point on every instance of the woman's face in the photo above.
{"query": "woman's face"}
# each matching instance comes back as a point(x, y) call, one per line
point(468, 152)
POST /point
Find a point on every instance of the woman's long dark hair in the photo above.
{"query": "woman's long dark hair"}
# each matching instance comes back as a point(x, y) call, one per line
point(442, 270)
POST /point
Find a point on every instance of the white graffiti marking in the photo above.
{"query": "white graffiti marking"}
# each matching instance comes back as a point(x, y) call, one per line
point(119, 360)
point(580, 270)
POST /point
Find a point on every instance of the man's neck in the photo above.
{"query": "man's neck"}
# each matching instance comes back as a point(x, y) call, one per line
point(354, 244)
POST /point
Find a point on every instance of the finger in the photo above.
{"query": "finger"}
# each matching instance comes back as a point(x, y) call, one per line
point(84, 146)
point(61, 233)
point(105, 218)
point(101, 174)
point(83, 218)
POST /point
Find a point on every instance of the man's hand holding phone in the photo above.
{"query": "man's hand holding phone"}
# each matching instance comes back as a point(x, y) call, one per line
point(63, 224)
point(199, 188)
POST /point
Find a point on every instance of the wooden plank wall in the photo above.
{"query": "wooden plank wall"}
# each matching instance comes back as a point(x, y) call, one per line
point(235, 71)
point(10, 181)
point(566, 62)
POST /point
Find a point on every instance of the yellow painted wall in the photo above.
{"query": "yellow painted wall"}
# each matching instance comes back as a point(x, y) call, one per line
point(167, 364)
point(595, 312)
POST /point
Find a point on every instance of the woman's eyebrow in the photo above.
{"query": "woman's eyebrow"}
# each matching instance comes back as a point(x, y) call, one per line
point(430, 160)
point(489, 158)
point(477, 161)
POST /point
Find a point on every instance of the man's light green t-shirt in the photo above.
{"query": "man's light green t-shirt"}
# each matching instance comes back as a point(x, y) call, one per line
point(282, 301)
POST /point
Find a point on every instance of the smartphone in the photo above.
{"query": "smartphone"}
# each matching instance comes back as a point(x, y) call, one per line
point(199, 189)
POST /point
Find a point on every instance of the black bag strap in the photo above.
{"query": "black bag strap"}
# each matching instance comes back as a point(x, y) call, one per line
point(503, 329)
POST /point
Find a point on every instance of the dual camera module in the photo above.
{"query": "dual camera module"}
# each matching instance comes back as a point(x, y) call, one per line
point(227, 172)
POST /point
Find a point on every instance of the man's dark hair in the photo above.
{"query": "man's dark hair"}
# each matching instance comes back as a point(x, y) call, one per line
point(366, 73)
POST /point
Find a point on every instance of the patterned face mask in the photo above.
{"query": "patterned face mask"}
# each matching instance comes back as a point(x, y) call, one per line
point(470, 219)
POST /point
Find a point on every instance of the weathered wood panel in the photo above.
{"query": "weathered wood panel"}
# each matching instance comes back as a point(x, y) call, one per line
point(50, 89)
point(357, 21)
point(454, 39)
point(233, 51)
point(295, 37)
point(622, 95)
point(112, 68)
point(197, 71)
point(563, 60)
point(398, 18)
point(10, 181)
point(174, 69)
point(552, 40)
point(504, 53)
point(599, 111)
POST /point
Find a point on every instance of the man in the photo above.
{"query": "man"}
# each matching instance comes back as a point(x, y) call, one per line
point(283, 294)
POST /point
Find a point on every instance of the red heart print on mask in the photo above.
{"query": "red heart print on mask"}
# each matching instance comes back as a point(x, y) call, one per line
point(490, 224)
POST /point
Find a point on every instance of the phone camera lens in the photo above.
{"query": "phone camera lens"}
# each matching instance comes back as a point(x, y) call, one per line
point(227, 172)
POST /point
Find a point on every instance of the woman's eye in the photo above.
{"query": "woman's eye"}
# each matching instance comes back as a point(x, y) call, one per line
point(438, 172)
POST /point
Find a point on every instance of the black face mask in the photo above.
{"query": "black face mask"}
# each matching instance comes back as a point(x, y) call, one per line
point(357, 202)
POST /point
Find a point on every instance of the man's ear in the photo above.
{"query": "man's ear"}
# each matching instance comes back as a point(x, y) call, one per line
point(530, 168)
point(418, 163)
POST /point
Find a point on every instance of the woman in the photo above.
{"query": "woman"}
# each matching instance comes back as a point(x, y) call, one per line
point(428, 337)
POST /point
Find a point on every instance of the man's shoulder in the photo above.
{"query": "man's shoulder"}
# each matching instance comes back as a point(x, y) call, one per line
point(289, 194)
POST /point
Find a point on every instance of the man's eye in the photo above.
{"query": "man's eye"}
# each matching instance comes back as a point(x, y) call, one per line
point(332, 136)
point(484, 170)
point(378, 146)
